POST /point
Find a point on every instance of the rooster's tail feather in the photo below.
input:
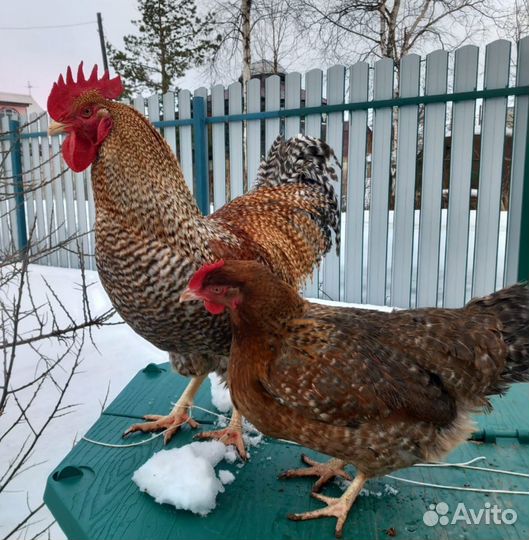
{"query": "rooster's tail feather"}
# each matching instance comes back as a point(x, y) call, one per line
point(309, 161)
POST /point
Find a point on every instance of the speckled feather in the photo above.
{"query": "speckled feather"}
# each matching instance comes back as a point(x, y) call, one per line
point(379, 390)
point(151, 237)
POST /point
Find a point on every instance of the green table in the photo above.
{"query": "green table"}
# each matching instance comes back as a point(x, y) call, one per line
point(92, 496)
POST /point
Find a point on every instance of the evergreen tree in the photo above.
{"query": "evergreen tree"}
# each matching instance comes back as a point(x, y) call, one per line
point(172, 38)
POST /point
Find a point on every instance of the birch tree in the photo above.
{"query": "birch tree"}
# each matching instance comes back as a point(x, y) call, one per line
point(356, 30)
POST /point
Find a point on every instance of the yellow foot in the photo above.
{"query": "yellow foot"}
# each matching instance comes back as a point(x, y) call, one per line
point(229, 435)
point(325, 471)
point(338, 508)
point(156, 422)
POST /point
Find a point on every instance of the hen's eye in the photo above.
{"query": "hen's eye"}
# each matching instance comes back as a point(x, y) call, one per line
point(217, 290)
point(86, 112)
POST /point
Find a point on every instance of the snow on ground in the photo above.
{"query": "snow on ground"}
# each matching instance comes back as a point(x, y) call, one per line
point(121, 354)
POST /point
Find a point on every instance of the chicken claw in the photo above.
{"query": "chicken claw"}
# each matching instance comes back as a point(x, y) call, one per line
point(325, 471)
point(338, 508)
point(156, 422)
point(229, 435)
point(176, 418)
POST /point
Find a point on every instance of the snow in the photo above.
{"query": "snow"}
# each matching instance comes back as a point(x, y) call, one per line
point(185, 477)
point(220, 395)
point(226, 477)
point(389, 490)
point(349, 304)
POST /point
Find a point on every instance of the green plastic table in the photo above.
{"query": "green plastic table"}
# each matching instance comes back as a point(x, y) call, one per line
point(92, 496)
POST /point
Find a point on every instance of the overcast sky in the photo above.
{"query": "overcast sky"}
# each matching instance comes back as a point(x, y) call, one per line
point(40, 55)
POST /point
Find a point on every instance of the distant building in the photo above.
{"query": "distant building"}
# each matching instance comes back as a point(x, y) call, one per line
point(16, 106)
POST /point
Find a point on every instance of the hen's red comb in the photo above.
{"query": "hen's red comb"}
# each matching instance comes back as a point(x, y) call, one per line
point(63, 93)
point(200, 275)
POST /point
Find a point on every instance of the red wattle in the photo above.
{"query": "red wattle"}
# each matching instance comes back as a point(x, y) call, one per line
point(78, 152)
point(214, 309)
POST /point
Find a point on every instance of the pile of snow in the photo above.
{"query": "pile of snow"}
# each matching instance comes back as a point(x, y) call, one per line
point(185, 477)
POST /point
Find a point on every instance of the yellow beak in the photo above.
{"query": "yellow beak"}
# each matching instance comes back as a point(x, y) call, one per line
point(188, 295)
point(55, 128)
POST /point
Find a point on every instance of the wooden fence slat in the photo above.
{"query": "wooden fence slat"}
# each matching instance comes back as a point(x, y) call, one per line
point(5, 236)
point(404, 213)
point(335, 95)
point(53, 258)
point(313, 97)
point(497, 63)
point(37, 175)
point(139, 104)
point(91, 217)
point(81, 215)
point(292, 101)
point(153, 108)
point(186, 144)
point(353, 239)
point(218, 147)
point(432, 182)
point(71, 218)
point(58, 196)
point(169, 133)
point(272, 103)
point(519, 148)
point(463, 119)
point(378, 211)
point(236, 162)
point(253, 131)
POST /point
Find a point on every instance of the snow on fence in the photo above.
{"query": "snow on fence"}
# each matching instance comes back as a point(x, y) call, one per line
point(431, 167)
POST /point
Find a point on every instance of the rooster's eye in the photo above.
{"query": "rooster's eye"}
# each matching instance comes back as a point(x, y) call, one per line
point(86, 112)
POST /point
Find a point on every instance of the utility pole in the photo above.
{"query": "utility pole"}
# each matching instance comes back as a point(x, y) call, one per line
point(102, 41)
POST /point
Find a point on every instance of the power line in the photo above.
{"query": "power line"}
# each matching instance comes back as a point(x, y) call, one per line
point(46, 27)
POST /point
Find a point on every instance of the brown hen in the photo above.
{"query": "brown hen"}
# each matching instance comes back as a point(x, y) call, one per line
point(151, 236)
point(381, 391)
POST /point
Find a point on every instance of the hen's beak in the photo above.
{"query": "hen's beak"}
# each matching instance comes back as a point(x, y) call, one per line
point(55, 128)
point(188, 295)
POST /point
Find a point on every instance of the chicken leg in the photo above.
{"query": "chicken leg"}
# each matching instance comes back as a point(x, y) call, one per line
point(338, 508)
point(325, 471)
point(176, 418)
point(229, 435)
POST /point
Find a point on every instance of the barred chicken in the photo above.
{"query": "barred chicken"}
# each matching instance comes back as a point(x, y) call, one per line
point(151, 236)
point(381, 391)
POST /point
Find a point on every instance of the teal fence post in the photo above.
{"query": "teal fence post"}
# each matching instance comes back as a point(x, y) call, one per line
point(201, 154)
point(523, 257)
point(18, 185)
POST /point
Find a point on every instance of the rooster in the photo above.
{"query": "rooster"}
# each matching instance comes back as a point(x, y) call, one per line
point(151, 236)
point(381, 391)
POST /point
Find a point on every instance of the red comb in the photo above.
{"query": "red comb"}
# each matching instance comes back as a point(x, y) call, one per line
point(200, 275)
point(64, 93)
